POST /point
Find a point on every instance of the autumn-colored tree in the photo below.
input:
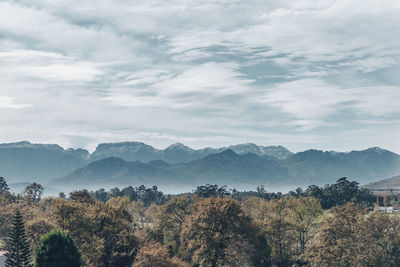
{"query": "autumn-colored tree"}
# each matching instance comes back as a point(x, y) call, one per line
point(82, 196)
point(170, 219)
point(336, 240)
point(119, 202)
point(154, 255)
point(348, 237)
point(102, 233)
point(138, 211)
point(36, 228)
point(379, 240)
point(219, 233)
point(6, 215)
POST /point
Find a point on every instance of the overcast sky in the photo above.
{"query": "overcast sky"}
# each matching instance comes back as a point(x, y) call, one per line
point(303, 74)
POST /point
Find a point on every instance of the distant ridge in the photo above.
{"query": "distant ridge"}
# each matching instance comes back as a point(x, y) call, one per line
point(230, 168)
point(178, 152)
point(135, 162)
point(389, 183)
point(223, 167)
point(24, 161)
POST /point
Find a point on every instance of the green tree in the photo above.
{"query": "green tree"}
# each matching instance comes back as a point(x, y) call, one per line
point(5, 195)
point(273, 218)
point(18, 254)
point(3, 186)
point(340, 193)
point(209, 190)
point(57, 249)
point(33, 193)
point(304, 212)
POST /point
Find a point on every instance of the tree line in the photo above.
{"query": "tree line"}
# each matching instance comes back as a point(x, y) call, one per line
point(333, 225)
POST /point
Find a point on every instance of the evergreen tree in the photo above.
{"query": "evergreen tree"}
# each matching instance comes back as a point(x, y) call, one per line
point(57, 249)
point(18, 254)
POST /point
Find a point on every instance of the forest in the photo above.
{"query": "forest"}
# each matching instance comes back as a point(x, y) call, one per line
point(333, 225)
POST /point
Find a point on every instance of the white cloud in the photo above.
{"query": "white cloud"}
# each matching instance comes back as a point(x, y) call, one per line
point(199, 86)
point(47, 65)
point(313, 99)
point(308, 99)
point(208, 72)
point(9, 103)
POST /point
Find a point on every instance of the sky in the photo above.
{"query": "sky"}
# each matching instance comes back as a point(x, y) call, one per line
point(302, 74)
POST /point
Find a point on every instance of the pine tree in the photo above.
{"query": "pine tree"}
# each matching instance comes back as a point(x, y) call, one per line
point(57, 249)
point(18, 254)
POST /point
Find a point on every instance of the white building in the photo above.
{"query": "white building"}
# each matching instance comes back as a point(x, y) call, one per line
point(386, 209)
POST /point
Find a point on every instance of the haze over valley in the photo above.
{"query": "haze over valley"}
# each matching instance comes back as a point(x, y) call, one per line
point(178, 168)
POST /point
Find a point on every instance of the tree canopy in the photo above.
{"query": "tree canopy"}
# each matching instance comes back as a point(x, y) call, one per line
point(57, 249)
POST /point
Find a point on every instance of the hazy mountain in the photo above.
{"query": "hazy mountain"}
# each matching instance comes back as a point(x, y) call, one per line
point(134, 162)
point(24, 161)
point(315, 166)
point(373, 162)
point(178, 152)
point(130, 151)
point(228, 167)
point(224, 167)
point(278, 152)
point(390, 183)
point(241, 170)
point(115, 171)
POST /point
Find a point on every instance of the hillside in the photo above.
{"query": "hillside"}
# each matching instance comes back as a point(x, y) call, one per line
point(389, 183)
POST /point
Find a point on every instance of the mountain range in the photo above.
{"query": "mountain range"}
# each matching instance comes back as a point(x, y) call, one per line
point(43, 162)
point(241, 170)
point(242, 166)
point(178, 152)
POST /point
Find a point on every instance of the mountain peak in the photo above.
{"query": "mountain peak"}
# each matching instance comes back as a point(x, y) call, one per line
point(178, 146)
point(376, 149)
point(228, 153)
point(26, 144)
point(279, 152)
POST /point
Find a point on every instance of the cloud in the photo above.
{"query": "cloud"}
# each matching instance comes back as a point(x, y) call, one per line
point(48, 66)
point(8, 102)
point(202, 86)
point(210, 72)
point(315, 100)
point(308, 98)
